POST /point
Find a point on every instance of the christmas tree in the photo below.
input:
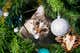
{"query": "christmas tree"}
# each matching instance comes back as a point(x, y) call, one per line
point(14, 13)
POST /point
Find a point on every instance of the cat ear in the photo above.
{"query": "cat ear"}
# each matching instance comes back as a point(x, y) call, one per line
point(39, 12)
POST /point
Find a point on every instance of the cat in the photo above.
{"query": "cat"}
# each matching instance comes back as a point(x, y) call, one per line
point(37, 26)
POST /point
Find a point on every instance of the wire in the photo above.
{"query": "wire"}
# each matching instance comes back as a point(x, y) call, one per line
point(30, 10)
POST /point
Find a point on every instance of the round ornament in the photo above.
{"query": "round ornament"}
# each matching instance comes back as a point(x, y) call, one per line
point(59, 26)
point(16, 29)
point(1, 12)
point(43, 50)
point(5, 14)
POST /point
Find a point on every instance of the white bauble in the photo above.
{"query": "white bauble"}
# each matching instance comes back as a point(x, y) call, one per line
point(5, 14)
point(59, 26)
point(16, 29)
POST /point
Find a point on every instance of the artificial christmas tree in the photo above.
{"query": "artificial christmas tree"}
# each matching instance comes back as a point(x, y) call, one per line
point(14, 13)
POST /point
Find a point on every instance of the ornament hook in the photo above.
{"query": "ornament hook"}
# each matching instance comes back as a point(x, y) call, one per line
point(58, 17)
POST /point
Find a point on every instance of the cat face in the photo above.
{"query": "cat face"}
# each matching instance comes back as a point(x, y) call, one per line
point(41, 27)
point(37, 27)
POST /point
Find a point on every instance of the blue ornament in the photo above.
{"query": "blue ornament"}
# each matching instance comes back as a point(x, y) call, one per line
point(43, 50)
point(1, 12)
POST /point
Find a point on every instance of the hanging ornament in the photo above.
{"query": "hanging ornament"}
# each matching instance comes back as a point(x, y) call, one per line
point(43, 50)
point(38, 25)
point(20, 18)
point(69, 41)
point(59, 26)
point(1, 12)
point(16, 29)
point(17, 21)
point(5, 14)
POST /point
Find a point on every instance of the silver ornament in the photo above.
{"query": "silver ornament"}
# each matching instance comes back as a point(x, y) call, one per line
point(5, 14)
point(16, 29)
point(59, 26)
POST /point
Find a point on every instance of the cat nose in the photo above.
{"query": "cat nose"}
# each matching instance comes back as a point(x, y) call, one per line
point(38, 30)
